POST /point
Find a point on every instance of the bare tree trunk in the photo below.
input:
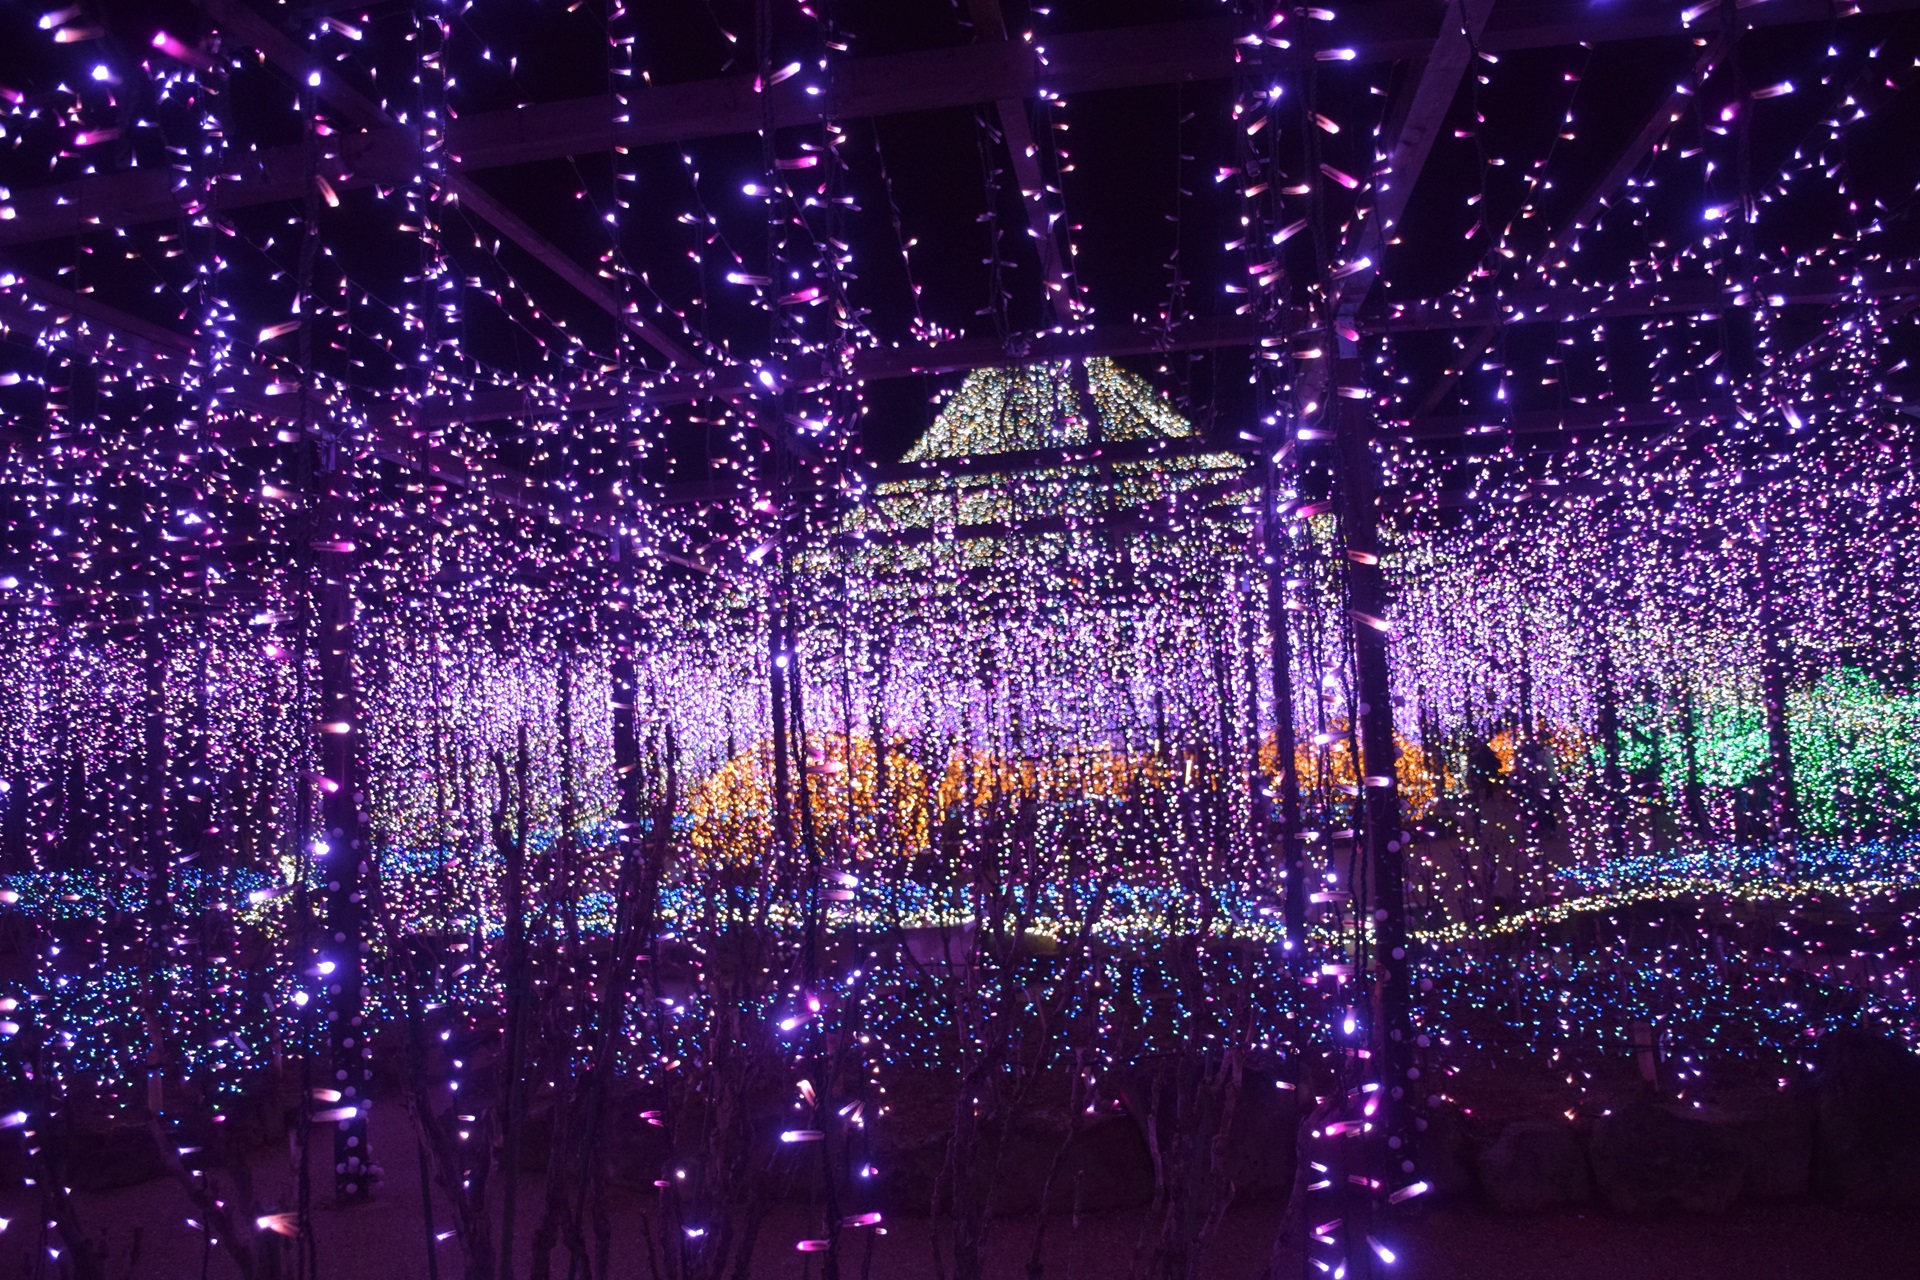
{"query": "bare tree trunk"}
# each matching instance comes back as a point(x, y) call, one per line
point(512, 846)
point(1291, 1217)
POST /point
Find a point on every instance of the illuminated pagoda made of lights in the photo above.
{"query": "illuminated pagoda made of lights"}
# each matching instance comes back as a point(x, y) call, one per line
point(1037, 457)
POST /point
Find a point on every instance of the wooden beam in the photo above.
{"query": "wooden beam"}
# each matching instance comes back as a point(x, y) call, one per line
point(125, 340)
point(116, 337)
point(108, 335)
point(1532, 306)
point(1164, 53)
point(1412, 128)
point(873, 364)
point(960, 354)
point(1595, 418)
point(1542, 305)
point(364, 113)
point(1562, 304)
point(1637, 149)
point(476, 200)
point(1023, 153)
point(1025, 461)
point(1551, 304)
point(1199, 503)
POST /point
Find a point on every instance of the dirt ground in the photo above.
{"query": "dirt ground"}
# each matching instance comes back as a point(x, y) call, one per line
point(147, 1236)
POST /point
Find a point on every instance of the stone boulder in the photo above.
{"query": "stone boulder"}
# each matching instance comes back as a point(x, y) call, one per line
point(1103, 1166)
point(1533, 1167)
point(1443, 1153)
point(1866, 1122)
point(1776, 1133)
point(1256, 1151)
point(628, 1143)
point(1646, 1159)
point(1259, 1151)
point(122, 1155)
point(1106, 1166)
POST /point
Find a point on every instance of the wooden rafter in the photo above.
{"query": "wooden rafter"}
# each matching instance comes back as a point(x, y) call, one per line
point(1023, 154)
point(1164, 53)
point(124, 340)
point(1412, 127)
point(112, 337)
point(1643, 143)
point(1552, 304)
point(364, 113)
point(1599, 419)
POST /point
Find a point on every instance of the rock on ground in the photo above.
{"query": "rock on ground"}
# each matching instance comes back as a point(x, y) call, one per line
point(1777, 1135)
point(1534, 1166)
point(1646, 1158)
point(1866, 1105)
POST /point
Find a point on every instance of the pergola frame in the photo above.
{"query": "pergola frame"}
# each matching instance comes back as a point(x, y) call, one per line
point(1003, 74)
point(994, 70)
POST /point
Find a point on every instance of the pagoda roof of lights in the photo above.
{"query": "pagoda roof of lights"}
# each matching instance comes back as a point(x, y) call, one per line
point(1051, 405)
point(1045, 450)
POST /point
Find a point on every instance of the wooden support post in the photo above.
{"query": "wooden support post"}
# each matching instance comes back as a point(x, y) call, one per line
point(1407, 139)
point(626, 759)
point(1382, 895)
point(1781, 816)
point(159, 921)
point(1286, 804)
point(344, 833)
point(1023, 153)
point(1614, 811)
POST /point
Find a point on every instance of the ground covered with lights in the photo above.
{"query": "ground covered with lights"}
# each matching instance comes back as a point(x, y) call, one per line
point(571, 701)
